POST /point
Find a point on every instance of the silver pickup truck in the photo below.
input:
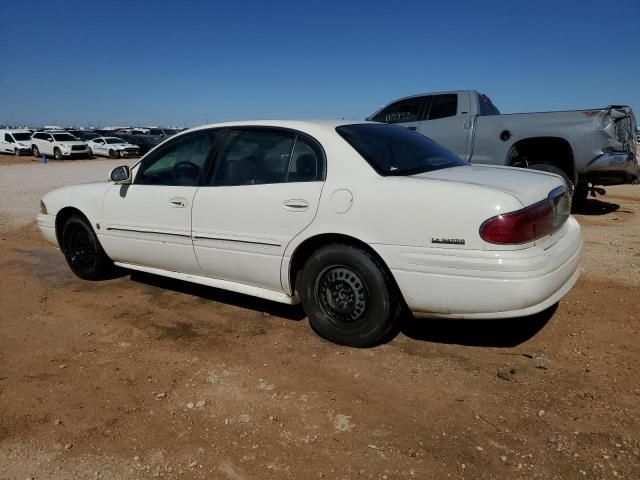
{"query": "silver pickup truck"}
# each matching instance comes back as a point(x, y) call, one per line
point(587, 147)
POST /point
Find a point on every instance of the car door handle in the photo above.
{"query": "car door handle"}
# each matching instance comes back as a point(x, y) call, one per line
point(178, 202)
point(296, 205)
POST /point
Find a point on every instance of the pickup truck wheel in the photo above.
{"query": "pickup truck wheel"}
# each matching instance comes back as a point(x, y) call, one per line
point(35, 151)
point(57, 153)
point(348, 296)
point(580, 194)
point(83, 251)
point(545, 167)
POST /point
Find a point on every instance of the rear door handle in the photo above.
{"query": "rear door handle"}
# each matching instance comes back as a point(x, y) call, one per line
point(178, 202)
point(295, 205)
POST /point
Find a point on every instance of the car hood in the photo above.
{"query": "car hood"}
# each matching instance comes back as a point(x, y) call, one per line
point(528, 186)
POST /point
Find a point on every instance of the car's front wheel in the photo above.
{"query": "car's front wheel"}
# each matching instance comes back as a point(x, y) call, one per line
point(83, 251)
point(57, 153)
point(348, 295)
point(35, 151)
point(89, 153)
point(16, 152)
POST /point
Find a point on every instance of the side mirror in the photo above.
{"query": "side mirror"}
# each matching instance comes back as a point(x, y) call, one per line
point(121, 174)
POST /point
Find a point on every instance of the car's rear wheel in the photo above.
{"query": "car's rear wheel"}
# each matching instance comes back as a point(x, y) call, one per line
point(348, 296)
point(35, 151)
point(83, 251)
point(57, 153)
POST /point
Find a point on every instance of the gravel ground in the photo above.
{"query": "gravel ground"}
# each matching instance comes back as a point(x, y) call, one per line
point(143, 377)
point(23, 183)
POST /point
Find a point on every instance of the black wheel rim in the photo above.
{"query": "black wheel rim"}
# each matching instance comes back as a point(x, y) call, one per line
point(82, 253)
point(342, 296)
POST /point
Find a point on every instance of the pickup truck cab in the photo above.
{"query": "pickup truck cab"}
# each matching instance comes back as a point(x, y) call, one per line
point(593, 146)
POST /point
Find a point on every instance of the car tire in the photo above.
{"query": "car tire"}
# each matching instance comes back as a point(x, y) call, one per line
point(16, 152)
point(35, 150)
point(57, 153)
point(580, 194)
point(83, 251)
point(112, 154)
point(349, 296)
point(546, 167)
point(89, 153)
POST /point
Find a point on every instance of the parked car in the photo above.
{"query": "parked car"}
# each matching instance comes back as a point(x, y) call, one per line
point(112, 147)
point(353, 220)
point(146, 139)
point(594, 146)
point(84, 135)
point(60, 144)
point(15, 141)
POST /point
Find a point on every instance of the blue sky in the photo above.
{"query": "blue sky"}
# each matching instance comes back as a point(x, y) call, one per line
point(186, 62)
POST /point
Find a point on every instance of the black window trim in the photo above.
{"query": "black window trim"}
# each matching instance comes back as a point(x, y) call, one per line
point(425, 117)
point(222, 143)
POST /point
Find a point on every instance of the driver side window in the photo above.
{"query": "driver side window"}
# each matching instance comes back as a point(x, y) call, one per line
point(180, 162)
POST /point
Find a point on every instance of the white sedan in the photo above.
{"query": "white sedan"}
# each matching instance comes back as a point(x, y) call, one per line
point(112, 147)
point(355, 220)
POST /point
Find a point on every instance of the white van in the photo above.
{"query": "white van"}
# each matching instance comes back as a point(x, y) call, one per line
point(15, 141)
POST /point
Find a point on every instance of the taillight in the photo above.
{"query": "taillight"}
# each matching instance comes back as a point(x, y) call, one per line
point(530, 223)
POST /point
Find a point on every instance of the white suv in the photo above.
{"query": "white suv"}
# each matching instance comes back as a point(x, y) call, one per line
point(59, 144)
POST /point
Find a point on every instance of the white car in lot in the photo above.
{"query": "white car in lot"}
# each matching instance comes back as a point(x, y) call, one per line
point(58, 144)
point(15, 141)
point(112, 147)
point(353, 220)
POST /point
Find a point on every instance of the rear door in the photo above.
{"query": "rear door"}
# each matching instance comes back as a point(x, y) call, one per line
point(447, 120)
point(263, 191)
point(407, 112)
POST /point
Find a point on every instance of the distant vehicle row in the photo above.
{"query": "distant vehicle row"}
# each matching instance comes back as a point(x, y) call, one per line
point(82, 143)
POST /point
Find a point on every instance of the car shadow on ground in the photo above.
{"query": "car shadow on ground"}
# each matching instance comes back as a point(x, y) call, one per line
point(593, 206)
point(289, 312)
point(503, 333)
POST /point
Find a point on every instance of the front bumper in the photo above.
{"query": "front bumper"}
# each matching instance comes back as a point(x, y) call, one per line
point(612, 168)
point(47, 225)
point(487, 284)
point(74, 153)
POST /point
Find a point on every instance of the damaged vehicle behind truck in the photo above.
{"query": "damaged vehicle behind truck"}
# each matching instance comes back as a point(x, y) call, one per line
point(589, 148)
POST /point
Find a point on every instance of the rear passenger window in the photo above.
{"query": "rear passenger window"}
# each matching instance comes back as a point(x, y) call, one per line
point(306, 163)
point(443, 106)
point(407, 110)
point(254, 157)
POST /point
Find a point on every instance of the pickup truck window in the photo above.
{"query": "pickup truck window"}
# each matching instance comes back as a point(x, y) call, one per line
point(486, 106)
point(394, 150)
point(443, 106)
point(407, 110)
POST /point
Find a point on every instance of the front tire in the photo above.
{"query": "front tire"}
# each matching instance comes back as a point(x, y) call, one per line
point(16, 152)
point(348, 296)
point(57, 153)
point(112, 154)
point(35, 151)
point(83, 251)
point(89, 153)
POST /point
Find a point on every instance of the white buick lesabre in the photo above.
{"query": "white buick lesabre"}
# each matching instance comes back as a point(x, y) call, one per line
point(355, 220)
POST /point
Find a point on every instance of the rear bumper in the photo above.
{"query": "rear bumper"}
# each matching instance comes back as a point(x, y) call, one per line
point(487, 284)
point(47, 225)
point(612, 168)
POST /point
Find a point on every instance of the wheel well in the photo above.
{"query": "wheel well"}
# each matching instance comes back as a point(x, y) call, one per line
point(310, 245)
point(550, 150)
point(62, 217)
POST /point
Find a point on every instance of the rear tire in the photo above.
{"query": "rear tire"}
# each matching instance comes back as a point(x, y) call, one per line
point(349, 296)
point(83, 251)
point(545, 167)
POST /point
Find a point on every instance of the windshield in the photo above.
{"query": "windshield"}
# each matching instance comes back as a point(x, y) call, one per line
point(394, 150)
point(155, 131)
point(113, 140)
point(170, 131)
point(20, 137)
point(64, 137)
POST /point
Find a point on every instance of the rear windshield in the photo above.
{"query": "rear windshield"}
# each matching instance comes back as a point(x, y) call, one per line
point(394, 150)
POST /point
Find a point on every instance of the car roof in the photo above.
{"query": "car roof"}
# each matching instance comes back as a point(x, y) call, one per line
point(302, 125)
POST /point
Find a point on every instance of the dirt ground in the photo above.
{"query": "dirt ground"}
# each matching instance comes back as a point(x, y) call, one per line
point(142, 377)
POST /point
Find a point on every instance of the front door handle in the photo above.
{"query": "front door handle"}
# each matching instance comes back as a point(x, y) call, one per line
point(178, 202)
point(295, 205)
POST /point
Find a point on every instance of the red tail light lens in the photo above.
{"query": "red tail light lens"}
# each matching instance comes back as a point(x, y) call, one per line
point(530, 223)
